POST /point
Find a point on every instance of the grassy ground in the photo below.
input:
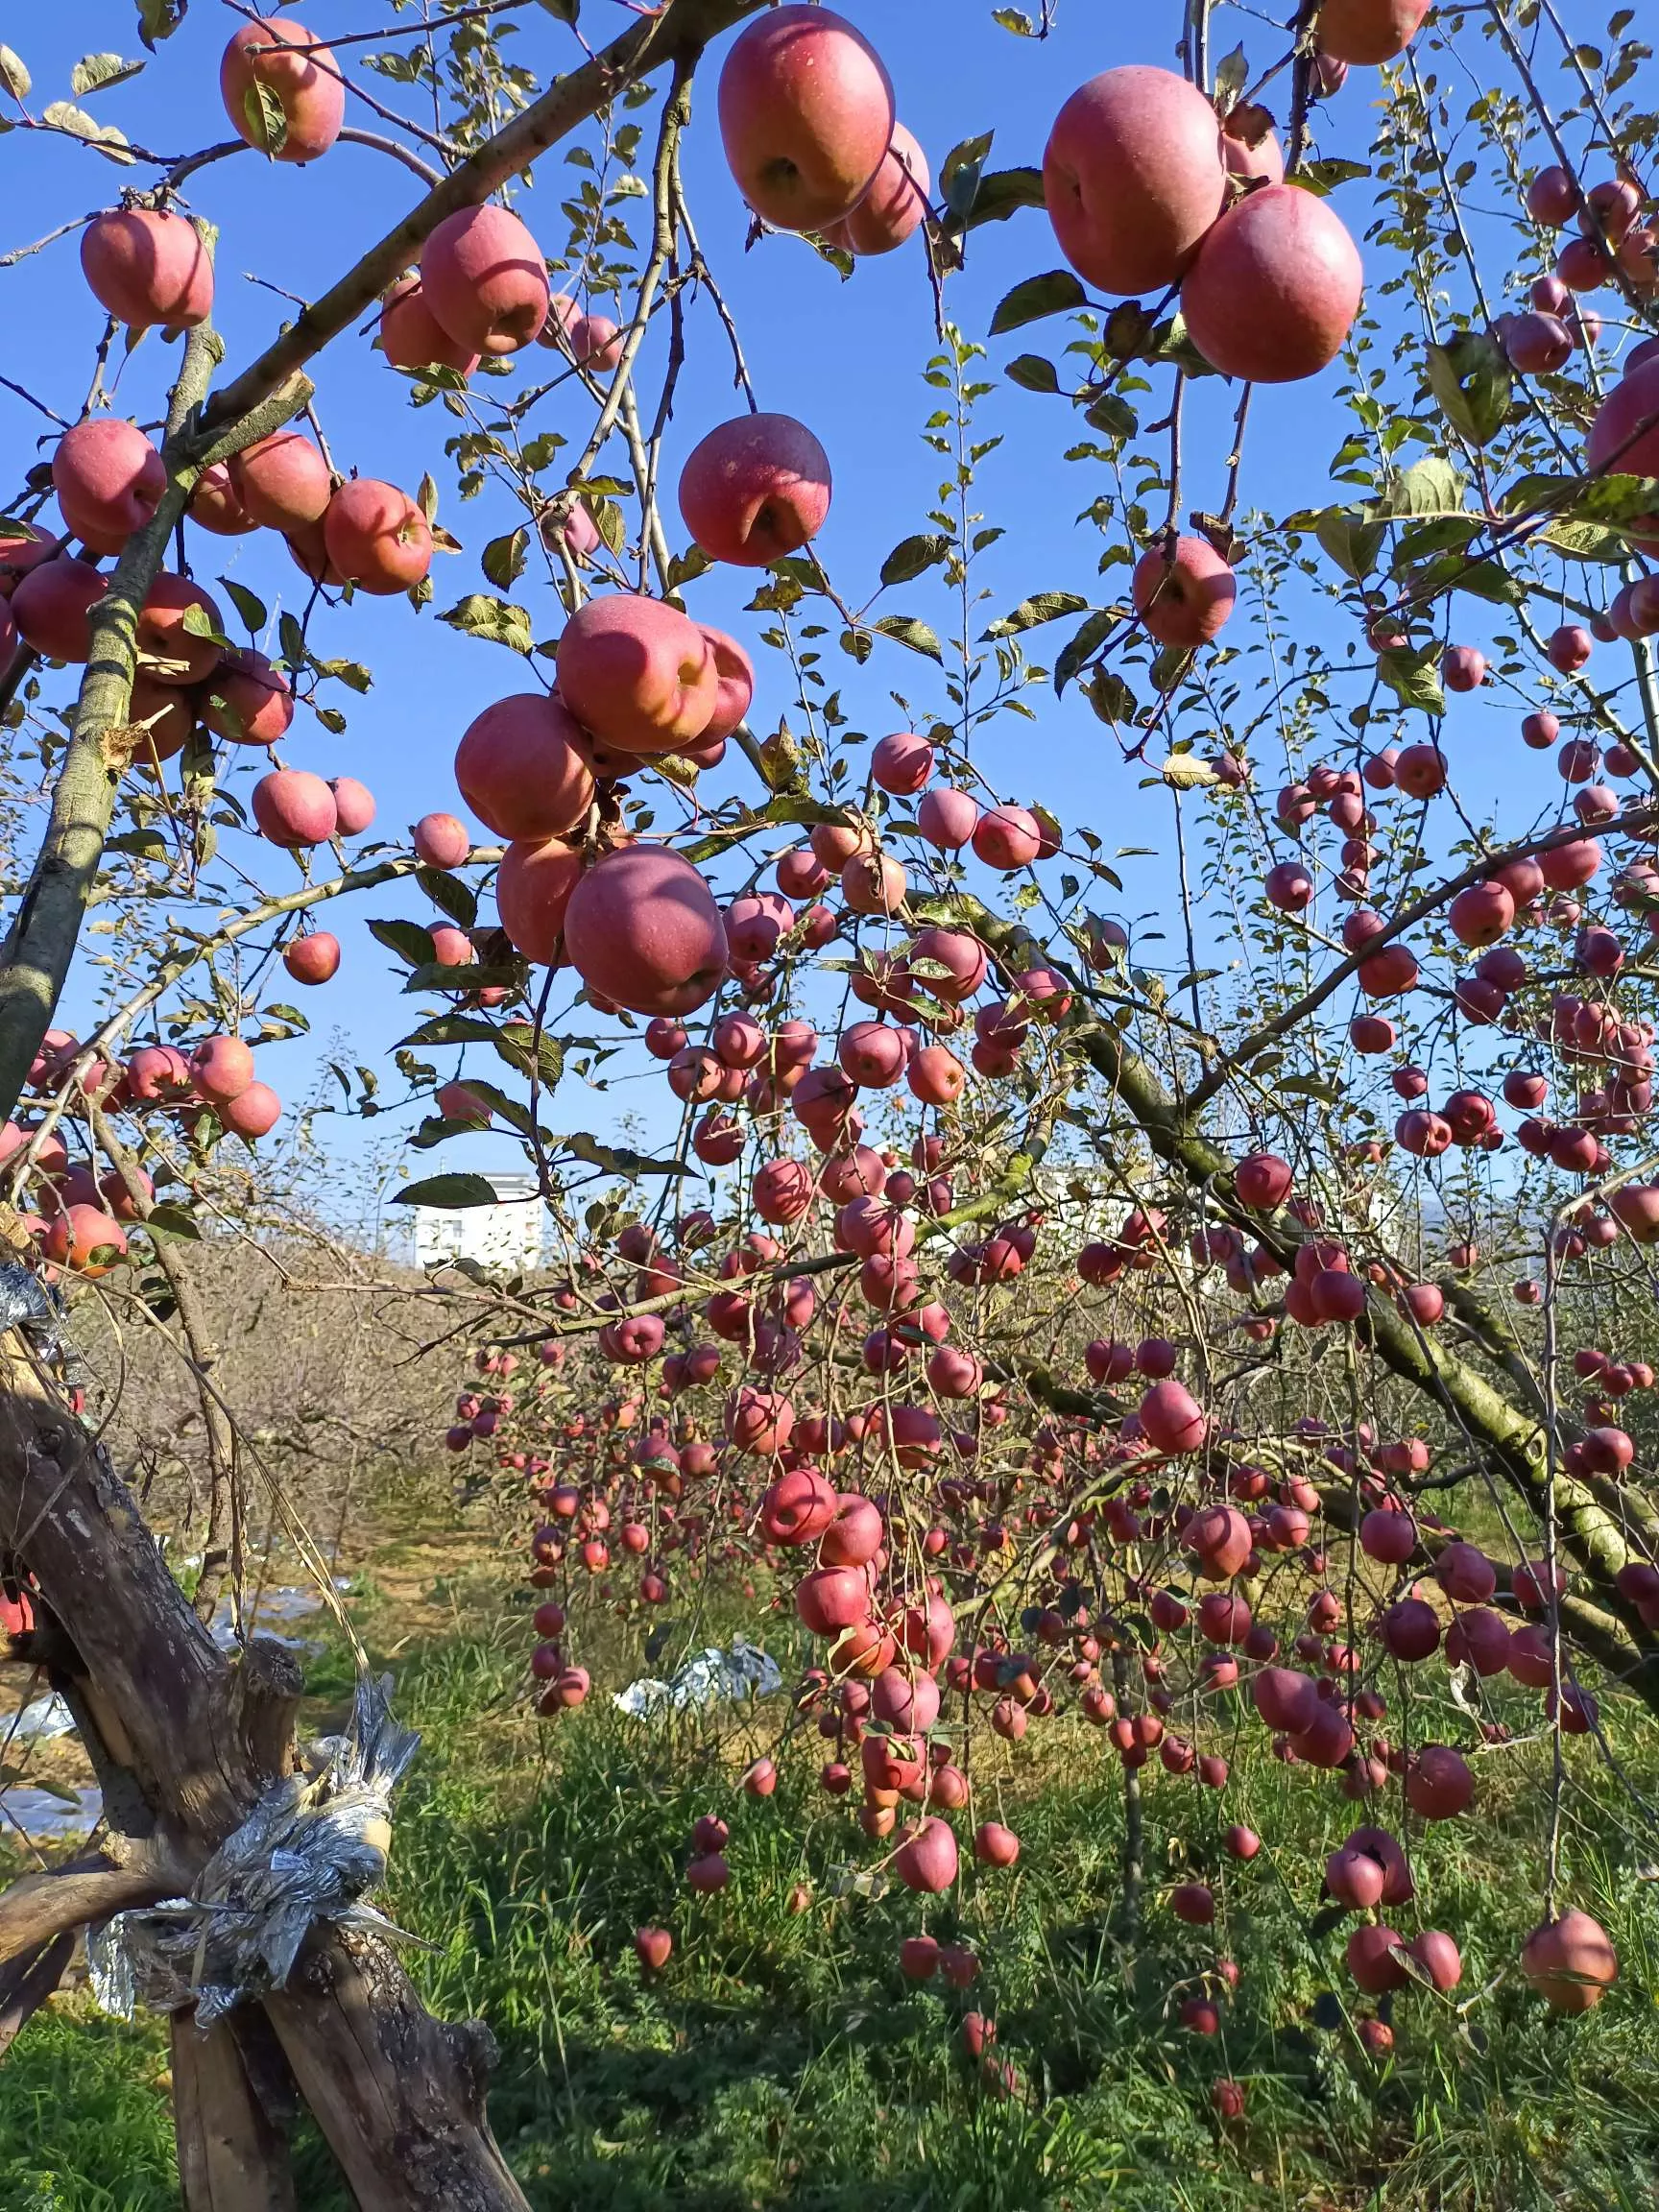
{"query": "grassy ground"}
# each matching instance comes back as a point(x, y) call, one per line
point(782, 2060)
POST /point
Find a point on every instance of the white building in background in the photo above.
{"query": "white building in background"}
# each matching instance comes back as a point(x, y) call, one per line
point(507, 1236)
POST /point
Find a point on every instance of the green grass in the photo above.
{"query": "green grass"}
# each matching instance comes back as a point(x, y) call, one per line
point(782, 2060)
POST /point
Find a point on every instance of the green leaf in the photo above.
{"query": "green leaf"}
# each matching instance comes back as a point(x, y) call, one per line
point(351, 673)
point(412, 944)
point(1429, 487)
point(908, 630)
point(960, 174)
point(479, 616)
point(1187, 772)
point(520, 1047)
point(1350, 537)
point(685, 567)
point(142, 844)
point(617, 1159)
point(1232, 75)
point(1413, 675)
point(457, 899)
point(912, 555)
point(1033, 374)
point(97, 72)
point(1111, 697)
point(1045, 607)
point(610, 523)
point(1056, 293)
point(502, 560)
point(1016, 20)
point(453, 1029)
point(196, 622)
point(1616, 499)
point(62, 115)
point(1094, 631)
point(14, 77)
point(450, 1192)
point(173, 1221)
point(1322, 176)
point(1002, 193)
point(561, 11)
point(251, 609)
point(805, 814)
point(1112, 413)
point(1471, 382)
point(266, 123)
point(1584, 540)
point(1488, 580)
point(159, 19)
point(431, 975)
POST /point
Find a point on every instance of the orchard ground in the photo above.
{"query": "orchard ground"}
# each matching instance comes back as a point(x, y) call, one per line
point(783, 2059)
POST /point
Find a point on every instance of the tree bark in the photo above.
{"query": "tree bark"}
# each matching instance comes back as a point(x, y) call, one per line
point(26, 1984)
point(399, 2098)
point(230, 2157)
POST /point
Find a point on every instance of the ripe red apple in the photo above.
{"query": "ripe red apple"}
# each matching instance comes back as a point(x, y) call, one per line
point(222, 1068)
point(87, 1239)
point(1571, 1962)
point(918, 1957)
point(1366, 33)
point(1007, 837)
point(926, 1860)
point(894, 207)
point(167, 718)
point(1171, 1418)
point(146, 266)
point(174, 654)
point(375, 537)
point(312, 959)
point(353, 805)
point(755, 489)
point(533, 887)
point(109, 479)
point(216, 505)
point(303, 102)
point(294, 809)
point(440, 841)
point(644, 929)
point(1133, 177)
point(518, 768)
point(805, 116)
point(995, 1846)
point(252, 1113)
point(1438, 1783)
point(1626, 433)
point(653, 1947)
point(1249, 147)
point(249, 701)
point(282, 481)
point(1183, 600)
point(947, 817)
point(637, 673)
point(484, 281)
point(734, 677)
point(1274, 289)
point(412, 337)
point(51, 607)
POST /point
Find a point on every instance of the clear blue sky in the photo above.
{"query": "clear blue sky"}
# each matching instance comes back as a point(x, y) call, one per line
point(846, 358)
